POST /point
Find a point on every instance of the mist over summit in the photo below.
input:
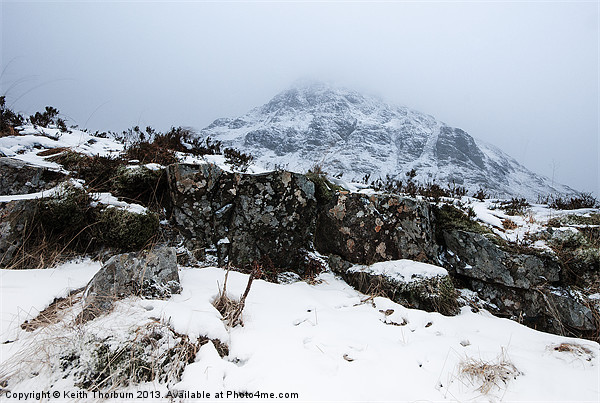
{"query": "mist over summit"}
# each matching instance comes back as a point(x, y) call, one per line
point(352, 135)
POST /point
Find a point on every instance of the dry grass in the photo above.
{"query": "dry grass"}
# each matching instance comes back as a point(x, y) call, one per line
point(100, 358)
point(488, 375)
point(576, 350)
point(509, 224)
point(229, 308)
point(54, 313)
point(52, 151)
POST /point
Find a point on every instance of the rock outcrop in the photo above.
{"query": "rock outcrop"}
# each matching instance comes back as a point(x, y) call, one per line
point(18, 177)
point(525, 286)
point(285, 222)
point(245, 218)
point(151, 274)
point(366, 229)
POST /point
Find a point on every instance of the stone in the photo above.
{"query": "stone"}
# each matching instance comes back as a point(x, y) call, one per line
point(244, 217)
point(366, 229)
point(476, 256)
point(150, 274)
point(14, 219)
point(18, 177)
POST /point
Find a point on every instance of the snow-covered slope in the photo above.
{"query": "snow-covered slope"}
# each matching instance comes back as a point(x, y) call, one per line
point(322, 342)
point(353, 135)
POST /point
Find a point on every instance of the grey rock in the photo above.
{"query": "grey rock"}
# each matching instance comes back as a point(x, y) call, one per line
point(371, 228)
point(15, 217)
point(150, 274)
point(476, 256)
point(18, 177)
point(263, 217)
point(554, 309)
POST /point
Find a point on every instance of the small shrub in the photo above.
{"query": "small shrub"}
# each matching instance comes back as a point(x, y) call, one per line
point(433, 191)
point(584, 200)
point(509, 224)
point(238, 159)
point(48, 118)
point(450, 217)
point(515, 206)
point(65, 212)
point(481, 194)
point(148, 152)
point(324, 189)
point(8, 119)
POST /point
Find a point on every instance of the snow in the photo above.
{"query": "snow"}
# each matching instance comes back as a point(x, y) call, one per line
point(26, 292)
point(326, 342)
point(403, 270)
point(111, 201)
point(32, 140)
point(350, 134)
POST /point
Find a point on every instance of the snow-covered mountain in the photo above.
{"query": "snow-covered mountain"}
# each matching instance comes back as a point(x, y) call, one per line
point(352, 134)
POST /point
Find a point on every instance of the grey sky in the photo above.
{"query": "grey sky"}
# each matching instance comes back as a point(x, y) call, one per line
point(520, 75)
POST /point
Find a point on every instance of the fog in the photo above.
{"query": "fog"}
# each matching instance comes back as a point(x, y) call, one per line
point(520, 75)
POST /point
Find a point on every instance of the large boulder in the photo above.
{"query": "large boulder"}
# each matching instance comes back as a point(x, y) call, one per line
point(18, 177)
point(477, 256)
point(525, 285)
point(244, 217)
point(371, 228)
point(150, 274)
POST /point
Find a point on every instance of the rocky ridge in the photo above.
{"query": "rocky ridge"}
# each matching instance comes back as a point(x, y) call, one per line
point(278, 221)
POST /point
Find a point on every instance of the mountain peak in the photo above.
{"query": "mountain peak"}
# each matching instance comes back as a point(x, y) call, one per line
point(354, 135)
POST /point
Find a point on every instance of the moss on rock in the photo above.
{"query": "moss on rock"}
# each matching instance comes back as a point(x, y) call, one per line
point(324, 189)
point(124, 229)
point(140, 183)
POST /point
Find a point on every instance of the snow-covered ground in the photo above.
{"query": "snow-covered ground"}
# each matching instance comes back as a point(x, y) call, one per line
point(325, 342)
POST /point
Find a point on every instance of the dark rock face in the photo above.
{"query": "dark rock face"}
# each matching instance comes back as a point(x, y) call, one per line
point(14, 217)
point(476, 256)
point(245, 217)
point(17, 177)
point(526, 287)
point(148, 274)
point(372, 228)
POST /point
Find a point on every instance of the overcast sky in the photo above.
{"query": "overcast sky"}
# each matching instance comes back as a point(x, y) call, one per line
point(520, 75)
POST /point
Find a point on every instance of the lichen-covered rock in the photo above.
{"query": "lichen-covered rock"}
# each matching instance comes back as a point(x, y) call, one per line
point(529, 287)
point(244, 217)
point(475, 256)
point(372, 228)
point(151, 274)
point(18, 177)
point(554, 309)
point(14, 219)
point(412, 284)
